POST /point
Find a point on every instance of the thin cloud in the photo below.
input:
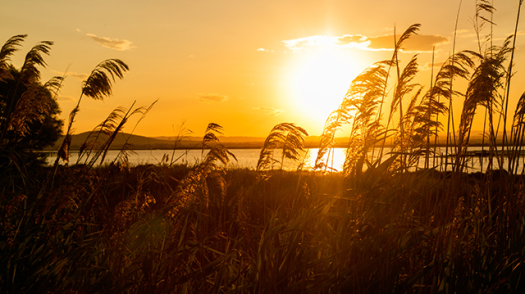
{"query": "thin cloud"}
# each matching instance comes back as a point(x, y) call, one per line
point(213, 97)
point(65, 98)
point(264, 50)
point(429, 65)
point(115, 44)
point(312, 41)
point(464, 31)
point(270, 110)
point(80, 76)
point(352, 40)
point(416, 43)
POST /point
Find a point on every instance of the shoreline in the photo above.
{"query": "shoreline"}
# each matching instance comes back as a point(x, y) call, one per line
point(260, 146)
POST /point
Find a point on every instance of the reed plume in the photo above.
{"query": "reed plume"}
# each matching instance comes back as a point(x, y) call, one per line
point(210, 136)
point(27, 80)
point(359, 107)
point(426, 120)
point(413, 134)
point(394, 62)
point(193, 189)
point(483, 90)
point(518, 135)
point(507, 91)
point(98, 85)
point(29, 72)
point(33, 106)
point(101, 138)
point(404, 87)
point(218, 153)
point(8, 49)
point(285, 136)
point(362, 100)
point(334, 123)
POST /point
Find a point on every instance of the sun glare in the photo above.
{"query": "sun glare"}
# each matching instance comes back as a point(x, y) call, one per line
point(319, 80)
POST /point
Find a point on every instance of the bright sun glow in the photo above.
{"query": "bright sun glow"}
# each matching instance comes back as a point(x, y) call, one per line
point(319, 81)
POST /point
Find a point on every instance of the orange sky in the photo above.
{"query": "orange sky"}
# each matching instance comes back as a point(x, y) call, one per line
point(246, 65)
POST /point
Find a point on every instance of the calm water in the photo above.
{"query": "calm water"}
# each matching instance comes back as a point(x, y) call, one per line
point(247, 158)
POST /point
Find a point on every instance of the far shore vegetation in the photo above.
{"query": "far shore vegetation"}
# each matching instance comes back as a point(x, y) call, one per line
point(194, 142)
point(393, 220)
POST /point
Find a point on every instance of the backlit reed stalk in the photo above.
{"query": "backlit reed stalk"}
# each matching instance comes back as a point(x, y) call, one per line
point(194, 185)
point(97, 86)
point(402, 89)
point(456, 66)
point(101, 138)
point(398, 45)
point(359, 107)
point(518, 136)
point(287, 137)
point(505, 141)
point(483, 90)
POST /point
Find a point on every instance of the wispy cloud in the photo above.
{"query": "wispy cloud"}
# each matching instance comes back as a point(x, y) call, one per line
point(116, 44)
point(65, 98)
point(264, 50)
point(416, 43)
point(80, 76)
point(429, 65)
point(312, 41)
point(464, 31)
point(213, 97)
point(270, 110)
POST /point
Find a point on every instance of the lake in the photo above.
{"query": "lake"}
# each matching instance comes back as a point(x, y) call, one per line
point(247, 158)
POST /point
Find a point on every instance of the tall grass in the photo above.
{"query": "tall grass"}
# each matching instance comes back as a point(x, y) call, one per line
point(382, 225)
point(98, 85)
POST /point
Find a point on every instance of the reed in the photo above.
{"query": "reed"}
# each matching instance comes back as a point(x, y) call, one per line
point(381, 225)
point(98, 85)
point(285, 136)
point(25, 100)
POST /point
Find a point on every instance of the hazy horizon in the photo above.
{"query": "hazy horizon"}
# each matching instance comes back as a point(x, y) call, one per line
point(246, 66)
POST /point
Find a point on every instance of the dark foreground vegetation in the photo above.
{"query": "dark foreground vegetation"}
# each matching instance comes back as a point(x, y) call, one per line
point(381, 225)
point(160, 229)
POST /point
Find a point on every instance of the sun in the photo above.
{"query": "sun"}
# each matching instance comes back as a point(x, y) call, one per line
point(318, 81)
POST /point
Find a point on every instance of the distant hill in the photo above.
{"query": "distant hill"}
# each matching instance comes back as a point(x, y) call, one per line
point(164, 142)
point(137, 142)
point(142, 142)
point(193, 142)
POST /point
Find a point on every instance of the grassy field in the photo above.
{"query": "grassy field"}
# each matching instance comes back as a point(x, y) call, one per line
point(380, 225)
point(163, 229)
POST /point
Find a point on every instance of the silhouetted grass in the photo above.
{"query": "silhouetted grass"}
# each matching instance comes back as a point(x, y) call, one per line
point(134, 230)
point(382, 225)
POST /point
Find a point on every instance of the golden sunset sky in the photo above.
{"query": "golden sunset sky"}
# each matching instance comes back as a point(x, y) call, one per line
point(246, 65)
